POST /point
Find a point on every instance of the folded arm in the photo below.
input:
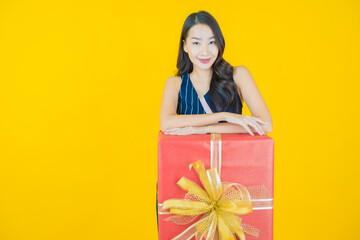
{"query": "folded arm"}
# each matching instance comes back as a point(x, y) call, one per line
point(229, 128)
point(178, 121)
point(217, 128)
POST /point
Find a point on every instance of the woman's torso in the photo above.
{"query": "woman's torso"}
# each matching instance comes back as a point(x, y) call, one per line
point(190, 103)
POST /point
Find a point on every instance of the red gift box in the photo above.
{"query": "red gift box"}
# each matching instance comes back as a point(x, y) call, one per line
point(244, 159)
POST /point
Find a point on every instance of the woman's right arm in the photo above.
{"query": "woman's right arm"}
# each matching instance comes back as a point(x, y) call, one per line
point(168, 117)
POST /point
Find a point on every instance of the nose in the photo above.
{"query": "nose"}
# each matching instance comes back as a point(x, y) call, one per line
point(204, 49)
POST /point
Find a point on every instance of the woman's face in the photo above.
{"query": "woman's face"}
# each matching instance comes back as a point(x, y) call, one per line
point(200, 45)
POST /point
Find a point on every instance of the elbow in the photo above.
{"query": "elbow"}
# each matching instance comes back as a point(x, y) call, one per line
point(167, 123)
point(164, 125)
point(268, 128)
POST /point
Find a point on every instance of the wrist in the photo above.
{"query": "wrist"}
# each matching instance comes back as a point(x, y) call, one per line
point(223, 116)
point(201, 129)
point(207, 129)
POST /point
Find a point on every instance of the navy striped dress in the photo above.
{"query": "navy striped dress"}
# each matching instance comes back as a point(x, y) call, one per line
point(190, 103)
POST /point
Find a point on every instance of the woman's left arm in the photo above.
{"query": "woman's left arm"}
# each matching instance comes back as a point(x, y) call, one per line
point(252, 96)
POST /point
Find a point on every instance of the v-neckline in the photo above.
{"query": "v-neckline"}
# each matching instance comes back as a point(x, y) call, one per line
point(192, 85)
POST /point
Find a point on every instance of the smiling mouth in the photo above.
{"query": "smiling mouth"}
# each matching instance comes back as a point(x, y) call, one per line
point(204, 60)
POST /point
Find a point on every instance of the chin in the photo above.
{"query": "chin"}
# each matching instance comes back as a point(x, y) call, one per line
point(205, 67)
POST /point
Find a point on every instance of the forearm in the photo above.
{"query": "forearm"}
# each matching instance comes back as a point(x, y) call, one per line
point(227, 128)
point(178, 121)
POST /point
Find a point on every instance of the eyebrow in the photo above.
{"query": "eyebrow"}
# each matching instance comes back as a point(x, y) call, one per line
point(200, 38)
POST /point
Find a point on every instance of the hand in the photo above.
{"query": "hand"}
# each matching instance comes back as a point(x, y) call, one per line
point(245, 120)
point(186, 130)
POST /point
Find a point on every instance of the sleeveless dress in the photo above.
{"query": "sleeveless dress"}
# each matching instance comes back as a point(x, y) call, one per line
point(190, 103)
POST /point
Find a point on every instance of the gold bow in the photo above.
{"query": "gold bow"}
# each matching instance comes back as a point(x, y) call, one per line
point(219, 206)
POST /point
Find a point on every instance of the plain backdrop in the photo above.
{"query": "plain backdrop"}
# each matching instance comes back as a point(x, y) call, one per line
point(81, 87)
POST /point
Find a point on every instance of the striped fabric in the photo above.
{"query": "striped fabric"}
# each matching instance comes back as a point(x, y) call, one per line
point(189, 102)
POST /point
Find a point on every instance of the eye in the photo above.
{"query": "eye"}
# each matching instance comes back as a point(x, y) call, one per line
point(195, 43)
point(212, 42)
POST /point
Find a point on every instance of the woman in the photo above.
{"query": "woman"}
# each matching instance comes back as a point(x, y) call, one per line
point(207, 93)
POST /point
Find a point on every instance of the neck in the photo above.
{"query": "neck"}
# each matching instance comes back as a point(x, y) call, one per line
point(202, 75)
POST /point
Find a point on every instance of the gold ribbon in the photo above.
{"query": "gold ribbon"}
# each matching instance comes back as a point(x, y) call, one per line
point(219, 205)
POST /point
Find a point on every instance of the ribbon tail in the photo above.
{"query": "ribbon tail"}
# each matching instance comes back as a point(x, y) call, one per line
point(240, 234)
point(224, 232)
point(212, 228)
point(249, 229)
point(198, 236)
point(181, 219)
point(164, 211)
point(235, 225)
point(188, 233)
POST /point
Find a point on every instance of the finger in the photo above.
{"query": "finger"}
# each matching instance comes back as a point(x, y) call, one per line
point(261, 129)
point(247, 129)
point(174, 132)
point(257, 127)
point(172, 129)
point(171, 133)
point(252, 125)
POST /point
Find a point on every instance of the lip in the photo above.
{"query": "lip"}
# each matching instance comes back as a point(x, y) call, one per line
point(204, 60)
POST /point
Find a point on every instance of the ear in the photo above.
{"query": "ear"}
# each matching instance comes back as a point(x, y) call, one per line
point(184, 45)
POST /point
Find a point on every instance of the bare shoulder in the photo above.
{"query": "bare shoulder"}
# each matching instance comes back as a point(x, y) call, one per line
point(174, 79)
point(240, 73)
point(173, 82)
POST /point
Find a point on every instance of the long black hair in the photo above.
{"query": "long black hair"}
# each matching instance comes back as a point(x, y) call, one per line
point(222, 89)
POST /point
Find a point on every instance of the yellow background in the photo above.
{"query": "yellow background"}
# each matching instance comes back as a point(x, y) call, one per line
point(81, 86)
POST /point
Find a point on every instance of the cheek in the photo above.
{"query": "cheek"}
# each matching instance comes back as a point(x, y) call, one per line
point(193, 50)
point(192, 54)
point(214, 50)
